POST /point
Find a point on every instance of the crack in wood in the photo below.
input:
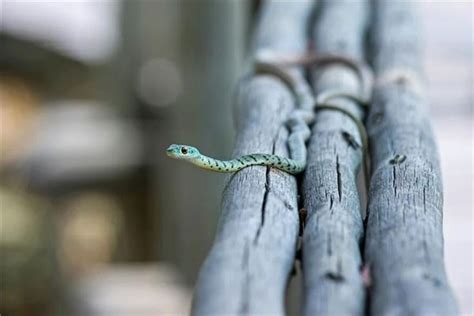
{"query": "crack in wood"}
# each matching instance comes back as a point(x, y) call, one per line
point(265, 197)
point(264, 203)
point(394, 180)
point(350, 140)
point(339, 181)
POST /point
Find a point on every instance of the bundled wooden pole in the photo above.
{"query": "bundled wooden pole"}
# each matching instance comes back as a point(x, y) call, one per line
point(404, 243)
point(334, 228)
point(252, 256)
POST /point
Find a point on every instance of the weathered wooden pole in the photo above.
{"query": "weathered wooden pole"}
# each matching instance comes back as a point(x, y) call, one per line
point(253, 253)
point(334, 226)
point(404, 243)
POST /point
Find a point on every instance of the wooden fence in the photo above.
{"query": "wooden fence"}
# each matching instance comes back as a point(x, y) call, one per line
point(392, 267)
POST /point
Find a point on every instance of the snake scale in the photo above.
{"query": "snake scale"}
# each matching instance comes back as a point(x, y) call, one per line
point(299, 120)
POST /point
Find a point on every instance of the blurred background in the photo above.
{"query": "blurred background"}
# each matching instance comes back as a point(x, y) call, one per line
point(95, 220)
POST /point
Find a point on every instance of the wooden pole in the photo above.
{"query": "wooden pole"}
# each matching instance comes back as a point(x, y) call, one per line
point(247, 269)
point(404, 243)
point(334, 227)
point(180, 83)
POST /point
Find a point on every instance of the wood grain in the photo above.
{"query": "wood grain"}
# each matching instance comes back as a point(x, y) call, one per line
point(248, 267)
point(404, 243)
point(334, 228)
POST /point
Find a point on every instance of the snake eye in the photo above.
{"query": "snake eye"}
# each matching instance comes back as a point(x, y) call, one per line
point(184, 150)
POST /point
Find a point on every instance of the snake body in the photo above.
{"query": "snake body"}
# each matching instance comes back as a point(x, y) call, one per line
point(193, 155)
point(299, 120)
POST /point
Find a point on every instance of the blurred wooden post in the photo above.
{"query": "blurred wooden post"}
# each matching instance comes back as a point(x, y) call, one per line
point(189, 55)
point(334, 227)
point(210, 47)
point(252, 256)
point(404, 245)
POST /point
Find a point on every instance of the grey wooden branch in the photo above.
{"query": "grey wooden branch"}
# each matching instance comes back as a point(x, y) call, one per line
point(404, 243)
point(334, 227)
point(252, 256)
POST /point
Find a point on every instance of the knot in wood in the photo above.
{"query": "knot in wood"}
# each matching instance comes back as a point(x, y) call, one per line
point(398, 159)
point(350, 140)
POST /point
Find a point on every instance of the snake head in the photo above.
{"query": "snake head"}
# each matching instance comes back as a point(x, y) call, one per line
point(182, 152)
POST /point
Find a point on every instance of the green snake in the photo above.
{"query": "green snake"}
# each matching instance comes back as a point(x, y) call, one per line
point(299, 120)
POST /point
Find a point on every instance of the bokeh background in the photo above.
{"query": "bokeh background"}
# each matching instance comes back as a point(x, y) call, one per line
point(95, 220)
